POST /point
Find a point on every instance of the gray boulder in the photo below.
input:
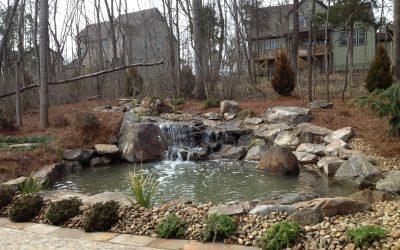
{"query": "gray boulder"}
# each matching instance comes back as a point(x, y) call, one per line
point(233, 209)
point(305, 158)
point(253, 120)
point(391, 183)
point(268, 209)
point(231, 152)
point(106, 149)
point(269, 131)
point(51, 173)
point(344, 134)
point(312, 148)
point(255, 153)
point(287, 139)
point(81, 155)
point(100, 161)
point(140, 141)
point(289, 115)
point(330, 165)
point(357, 168)
point(279, 160)
point(320, 104)
point(310, 133)
point(199, 154)
point(228, 106)
point(336, 148)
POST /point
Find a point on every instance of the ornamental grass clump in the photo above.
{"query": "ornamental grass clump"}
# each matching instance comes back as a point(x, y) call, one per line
point(31, 185)
point(219, 227)
point(366, 235)
point(171, 226)
point(384, 102)
point(61, 211)
point(101, 217)
point(142, 187)
point(25, 208)
point(280, 235)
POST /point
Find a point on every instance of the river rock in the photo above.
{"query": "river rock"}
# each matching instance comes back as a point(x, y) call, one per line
point(312, 148)
point(268, 209)
point(269, 131)
point(344, 134)
point(358, 168)
point(310, 133)
point(106, 149)
point(330, 165)
point(231, 152)
point(81, 155)
point(287, 139)
point(228, 106)
point(321, 104)
point(314, 211)
point(255, 152)
point(279, 160)
point(289, 115)
point(233, 209)
point(100, 161)
point(305, 158)
point(253, 120)
point(391, 183)
point(140, 141)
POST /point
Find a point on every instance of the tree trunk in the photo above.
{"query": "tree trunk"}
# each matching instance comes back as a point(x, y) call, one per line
point(197, 41)
point(35, 40)
point(220, 41)
point(396, 31)
point(295, 43)
point(351, 53)
point(235, 15)
point(110, 14)
point(20, 69)
point(4, 39)
point(309, 61)
point(327, 53)
point(44, 74)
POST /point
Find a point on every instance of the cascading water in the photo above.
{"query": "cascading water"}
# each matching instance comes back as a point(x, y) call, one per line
point(180, 140)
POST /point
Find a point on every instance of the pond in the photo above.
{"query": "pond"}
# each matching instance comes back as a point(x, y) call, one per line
point(217, 181)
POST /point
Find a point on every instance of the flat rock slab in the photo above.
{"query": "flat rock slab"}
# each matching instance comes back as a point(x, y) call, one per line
point(81, 155)
point(103, 149)
point(41, 228)
point(268, 209)
point(227, 209)
point(321, 104)
point(290, 115)
point(57, 195)
point(132, 240)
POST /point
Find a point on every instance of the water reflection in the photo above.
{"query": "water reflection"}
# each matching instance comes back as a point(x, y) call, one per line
point(215, 181)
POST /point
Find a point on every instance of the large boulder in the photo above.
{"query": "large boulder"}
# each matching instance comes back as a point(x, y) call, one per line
point(279, 160)
point(287, 139)
point(228, 106)
point(358, 168)
point(314, 211)
point(255, 152)
point(344, 134)
point(391, 183)
point(311, 133)
point(81, 155)
point(140, 142)
point(289, 115)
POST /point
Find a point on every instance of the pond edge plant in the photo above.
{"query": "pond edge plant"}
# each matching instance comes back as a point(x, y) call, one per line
point(219, 227)
point(31, 185)
point(366, 235)
point(172, 226)
point(143, 188)
point(280, 235)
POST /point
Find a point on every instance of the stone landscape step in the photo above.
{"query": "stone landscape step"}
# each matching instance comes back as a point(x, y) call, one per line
point(29, 235)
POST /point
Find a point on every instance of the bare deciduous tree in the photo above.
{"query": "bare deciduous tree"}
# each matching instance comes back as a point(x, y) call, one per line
point(44, 73)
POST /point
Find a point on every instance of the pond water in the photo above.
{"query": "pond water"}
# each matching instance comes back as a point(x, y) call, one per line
point(215, 181)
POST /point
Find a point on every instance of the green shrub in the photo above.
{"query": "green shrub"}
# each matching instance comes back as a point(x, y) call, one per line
point(171, 226)
point(365, 235)
point(211, 103)
point(6, 196)
point(283, 81)
point(279, 236)
point(384, 103)
point(87, 121)
point(219, 227)
point(379, 76)
point(101, 217)
point(143, 188)
point(30, 185)
point(61, 211)
point(25, 208)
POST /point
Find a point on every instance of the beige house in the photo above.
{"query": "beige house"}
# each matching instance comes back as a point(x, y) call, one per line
point(141, 37)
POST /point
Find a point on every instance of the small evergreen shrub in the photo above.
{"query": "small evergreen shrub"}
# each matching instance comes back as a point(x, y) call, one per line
point(101, 217)
point(379, 76)
point(31, 185)
point(366, 235)
point(87, 121)
point(61, 211)
point(219, 227)
point(6, 196)
point(384, 103)
point(25, 208)
point(143, 188)
point(280, 235)
point(171, 226)
point(211, 103)
point(283, 81)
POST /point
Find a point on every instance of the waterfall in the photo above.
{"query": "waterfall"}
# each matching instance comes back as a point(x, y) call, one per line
point(180, 139)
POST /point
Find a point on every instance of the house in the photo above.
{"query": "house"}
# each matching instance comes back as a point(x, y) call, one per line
point(271, 30)
point(141, 37)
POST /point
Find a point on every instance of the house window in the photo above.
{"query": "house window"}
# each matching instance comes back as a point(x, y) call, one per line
point(104, 44)
point(303, 21)
point(359, 37)
point(274, 44)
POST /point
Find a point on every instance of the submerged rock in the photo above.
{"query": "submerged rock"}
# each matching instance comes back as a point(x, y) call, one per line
point(289, 115)
point(100, 161)
point(279, 160)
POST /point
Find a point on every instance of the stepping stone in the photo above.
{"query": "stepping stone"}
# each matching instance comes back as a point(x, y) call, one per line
point(168, 244)
point(41, 228)
point(128, 239)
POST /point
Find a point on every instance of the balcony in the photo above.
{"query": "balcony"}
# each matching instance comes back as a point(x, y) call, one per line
point(317, 50)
